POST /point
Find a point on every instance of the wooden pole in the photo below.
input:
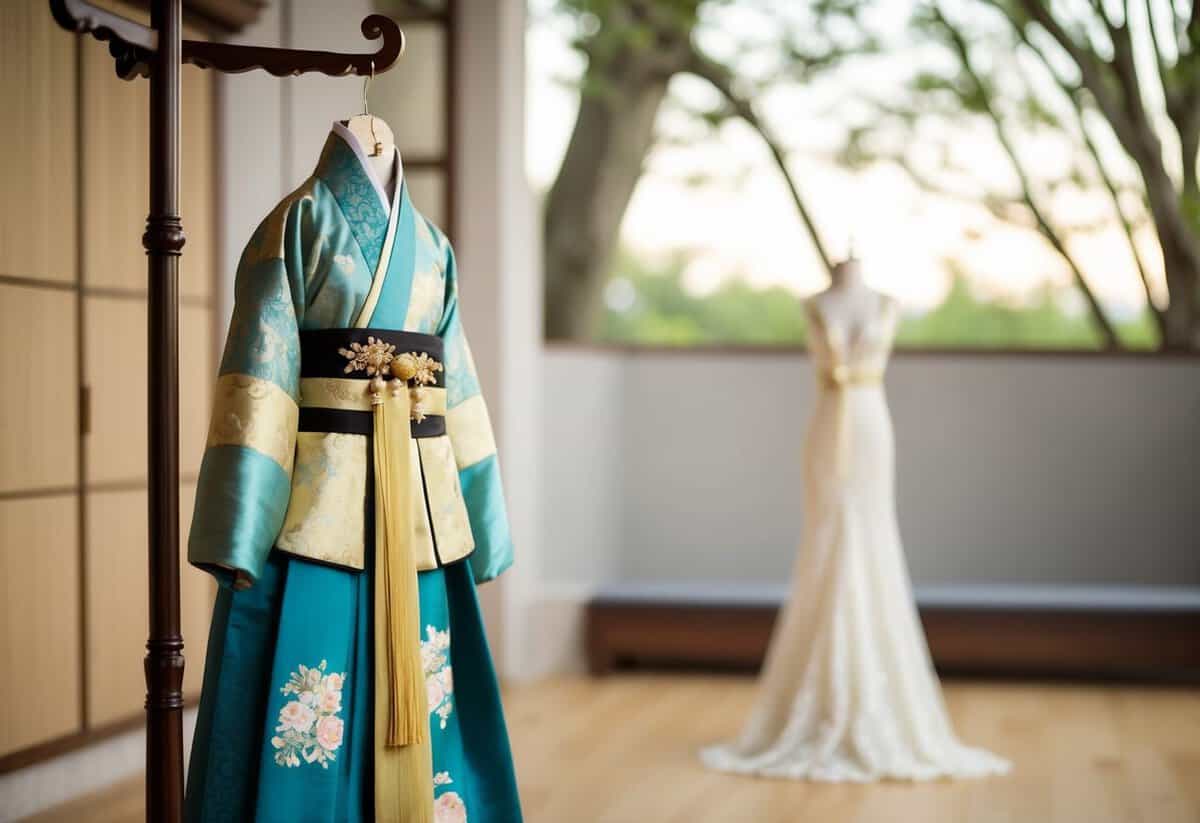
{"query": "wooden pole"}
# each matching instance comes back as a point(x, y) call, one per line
point(164, 241)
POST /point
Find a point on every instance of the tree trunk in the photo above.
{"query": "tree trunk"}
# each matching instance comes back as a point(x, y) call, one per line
point(1181, 318)
point(1177, 236)
point(584, 208)
point(1181, 261)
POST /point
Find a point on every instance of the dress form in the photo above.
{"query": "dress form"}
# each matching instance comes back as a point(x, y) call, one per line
point(378, 148)
point(850, 308)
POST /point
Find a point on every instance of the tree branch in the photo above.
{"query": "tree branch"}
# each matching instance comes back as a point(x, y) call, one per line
point(1178, 23)
point(993, 202)
point(1181, 91)
point(1159, 316)
point(962, 50)
point(722, 79)
point(1093, 69)
point(1184, 110)
point(1126, 114)
point(1074, 94)
point(1160, 59)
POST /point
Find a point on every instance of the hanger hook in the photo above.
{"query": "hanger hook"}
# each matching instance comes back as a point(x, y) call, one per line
point(366, 85)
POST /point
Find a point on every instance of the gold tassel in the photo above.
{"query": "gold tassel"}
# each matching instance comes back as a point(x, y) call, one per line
point(403, 756)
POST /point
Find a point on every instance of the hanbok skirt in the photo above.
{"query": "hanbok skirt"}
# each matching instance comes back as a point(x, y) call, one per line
point(285, 732)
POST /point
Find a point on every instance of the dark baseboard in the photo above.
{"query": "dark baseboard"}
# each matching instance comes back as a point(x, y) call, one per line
point(995, 640)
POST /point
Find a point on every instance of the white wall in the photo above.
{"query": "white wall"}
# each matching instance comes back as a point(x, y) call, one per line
point(500, 277)
point(253, 171)
point(313, 101)
point(584, 450)
point(1014, 469)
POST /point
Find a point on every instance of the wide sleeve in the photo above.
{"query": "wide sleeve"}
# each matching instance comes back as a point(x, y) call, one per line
point(245, 476)
point(474, 446)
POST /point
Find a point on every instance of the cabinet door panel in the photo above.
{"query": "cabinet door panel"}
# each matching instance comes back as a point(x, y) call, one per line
point(117, 619)
point(114, 359)
point(40, 431)
point(37, 162)
point(39, 621)
point(116, 148)
point(197, 201)
point(116, 176)
point(197, 374)
point(116, 604)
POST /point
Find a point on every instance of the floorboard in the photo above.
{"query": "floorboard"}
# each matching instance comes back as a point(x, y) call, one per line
point(622, 750)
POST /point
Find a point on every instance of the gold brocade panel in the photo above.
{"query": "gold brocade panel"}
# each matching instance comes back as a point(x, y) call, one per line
point(447, 508)
point(326, 519)
point(325, 516)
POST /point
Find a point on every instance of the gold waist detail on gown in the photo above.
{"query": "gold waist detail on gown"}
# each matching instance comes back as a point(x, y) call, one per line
point(838, 379)
point(843, 377)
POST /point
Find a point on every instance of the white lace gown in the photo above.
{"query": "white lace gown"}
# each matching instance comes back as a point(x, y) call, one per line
point(848, 692)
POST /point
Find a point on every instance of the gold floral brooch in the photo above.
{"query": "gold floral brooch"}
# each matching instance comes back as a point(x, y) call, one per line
point(411, 370)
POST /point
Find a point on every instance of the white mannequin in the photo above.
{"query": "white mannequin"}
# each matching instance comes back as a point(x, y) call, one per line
point(378, 145)
point(851, 308)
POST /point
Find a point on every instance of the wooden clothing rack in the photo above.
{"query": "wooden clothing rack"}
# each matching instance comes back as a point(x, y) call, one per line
point(158, 52)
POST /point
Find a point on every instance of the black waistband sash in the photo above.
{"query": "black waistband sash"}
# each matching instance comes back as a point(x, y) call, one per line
point(321, 351)
point(359, 354)
point(361, 422)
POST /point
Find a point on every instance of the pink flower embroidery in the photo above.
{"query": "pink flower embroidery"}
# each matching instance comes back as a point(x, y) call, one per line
point(329, 733)
point(449, 808)
point(434, 693)
point(439, 684)
point(309, 729)
point(331, 702)
point(295, 715)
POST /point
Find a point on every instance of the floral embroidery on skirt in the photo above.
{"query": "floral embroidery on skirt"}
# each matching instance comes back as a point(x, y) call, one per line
point(448, 807)
point(439, 679)
point(255, 738)
point(309, 727)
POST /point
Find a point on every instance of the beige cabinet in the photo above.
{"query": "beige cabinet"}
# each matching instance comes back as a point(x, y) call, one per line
point(115, 577)
point(73, 554)
point(39, 607)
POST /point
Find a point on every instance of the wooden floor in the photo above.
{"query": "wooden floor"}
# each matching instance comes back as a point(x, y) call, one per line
point(622, 750)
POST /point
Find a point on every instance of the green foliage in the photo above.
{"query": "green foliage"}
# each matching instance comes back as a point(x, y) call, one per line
point(1190, 205)
point(963, 320)
point(665, 313)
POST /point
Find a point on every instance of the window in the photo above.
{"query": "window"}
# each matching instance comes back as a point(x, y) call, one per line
point(415, 100)
point(945, 150)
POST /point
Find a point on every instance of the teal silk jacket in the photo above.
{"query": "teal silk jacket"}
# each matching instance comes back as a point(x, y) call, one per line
point(336, 254)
